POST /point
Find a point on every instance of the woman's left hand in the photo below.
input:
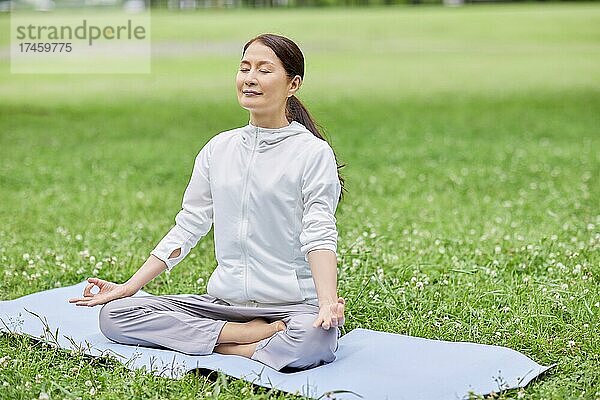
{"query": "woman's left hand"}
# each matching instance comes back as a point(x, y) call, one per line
point(331, 314)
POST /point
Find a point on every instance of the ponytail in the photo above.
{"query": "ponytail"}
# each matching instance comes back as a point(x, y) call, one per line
point(295, 111)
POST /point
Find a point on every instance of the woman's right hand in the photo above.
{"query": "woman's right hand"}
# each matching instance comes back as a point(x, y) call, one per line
point(108, 291)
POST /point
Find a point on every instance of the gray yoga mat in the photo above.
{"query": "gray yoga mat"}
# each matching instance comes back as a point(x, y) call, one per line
point(370, 364)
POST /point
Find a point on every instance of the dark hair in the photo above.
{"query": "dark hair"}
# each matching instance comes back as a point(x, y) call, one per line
point(292, 59)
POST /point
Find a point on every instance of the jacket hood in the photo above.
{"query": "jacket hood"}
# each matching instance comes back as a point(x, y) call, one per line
point(265, 138)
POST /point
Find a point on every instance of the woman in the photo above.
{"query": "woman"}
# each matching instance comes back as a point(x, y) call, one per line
point(271, 189)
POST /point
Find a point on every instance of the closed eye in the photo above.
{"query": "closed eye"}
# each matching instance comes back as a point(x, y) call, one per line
point(262, 70)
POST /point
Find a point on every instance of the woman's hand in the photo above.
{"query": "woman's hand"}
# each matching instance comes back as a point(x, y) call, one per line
point(108, 291)
point(331, 314)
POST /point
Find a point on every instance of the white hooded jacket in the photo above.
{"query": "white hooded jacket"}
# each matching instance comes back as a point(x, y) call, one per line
point(271, 194)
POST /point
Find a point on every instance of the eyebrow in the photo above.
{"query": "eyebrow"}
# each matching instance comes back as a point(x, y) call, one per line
point(259, 63)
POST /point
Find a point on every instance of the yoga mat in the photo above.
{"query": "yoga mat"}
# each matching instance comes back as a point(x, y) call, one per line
point(369, 364)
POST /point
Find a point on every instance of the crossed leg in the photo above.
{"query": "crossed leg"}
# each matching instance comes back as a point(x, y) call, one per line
point(242, 338)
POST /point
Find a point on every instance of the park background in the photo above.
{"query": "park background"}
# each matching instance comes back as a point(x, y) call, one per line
point(471, 141)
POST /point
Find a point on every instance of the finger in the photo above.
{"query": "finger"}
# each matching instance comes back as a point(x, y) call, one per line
point(88, 290)
point(82, 300)
point(334, 321)
point(88, 303)
point(326, 324)
point(317, 322)
point(78, 299)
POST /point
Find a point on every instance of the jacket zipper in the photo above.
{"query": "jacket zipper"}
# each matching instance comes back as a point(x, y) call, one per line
point(244, 218)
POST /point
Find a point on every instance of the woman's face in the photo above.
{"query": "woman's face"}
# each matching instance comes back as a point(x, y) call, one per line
point(262, 84)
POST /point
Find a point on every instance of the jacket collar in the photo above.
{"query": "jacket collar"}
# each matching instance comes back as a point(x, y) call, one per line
point(269, 137)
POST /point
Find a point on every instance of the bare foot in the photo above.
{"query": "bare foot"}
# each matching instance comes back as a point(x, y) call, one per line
point(278, 325)
point(237, 349)
point(249, 332)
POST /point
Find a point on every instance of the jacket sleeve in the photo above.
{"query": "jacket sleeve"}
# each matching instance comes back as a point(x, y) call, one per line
point(320, 194)
point(195, 218)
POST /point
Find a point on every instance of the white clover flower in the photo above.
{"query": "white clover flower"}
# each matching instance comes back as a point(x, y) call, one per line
point(43, 396)
point(571, 343)
point(88, 383)
point(4, 361)
point(26, 256)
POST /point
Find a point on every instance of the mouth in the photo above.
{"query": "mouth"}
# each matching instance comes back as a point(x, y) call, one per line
point(251, 93)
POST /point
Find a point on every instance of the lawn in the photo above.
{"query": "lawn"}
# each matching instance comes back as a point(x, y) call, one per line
point(471, 138)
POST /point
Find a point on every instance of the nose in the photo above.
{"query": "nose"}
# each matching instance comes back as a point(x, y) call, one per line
point(250, 79)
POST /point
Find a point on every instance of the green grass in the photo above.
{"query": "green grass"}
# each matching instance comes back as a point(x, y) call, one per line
point(472, 174)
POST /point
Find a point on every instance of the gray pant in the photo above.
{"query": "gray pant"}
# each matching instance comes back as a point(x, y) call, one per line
point(191, 324)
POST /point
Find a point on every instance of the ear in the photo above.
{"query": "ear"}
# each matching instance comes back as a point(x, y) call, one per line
point(294, 85)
